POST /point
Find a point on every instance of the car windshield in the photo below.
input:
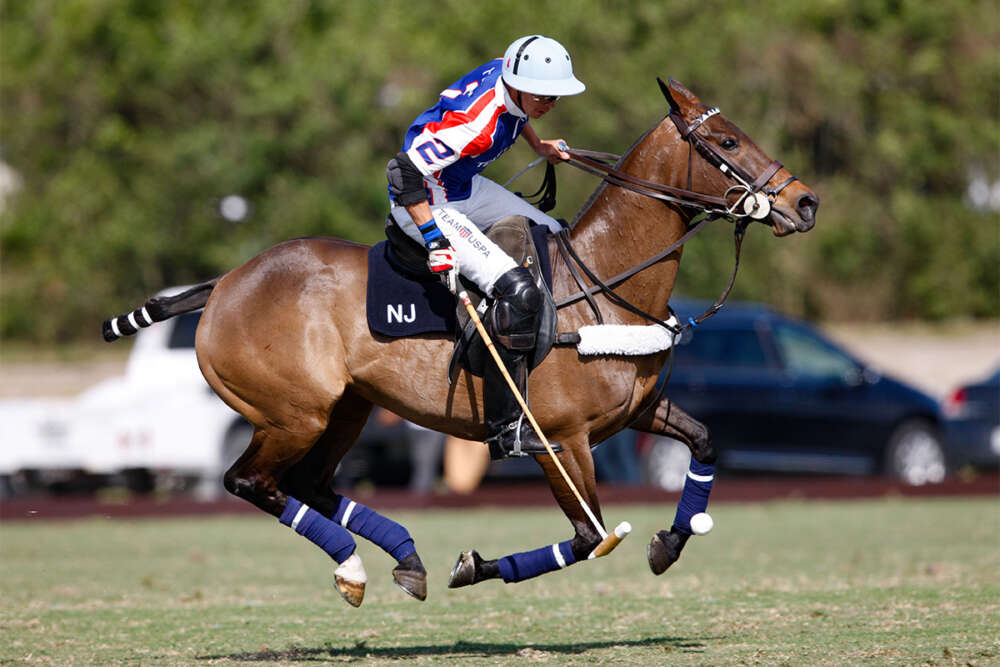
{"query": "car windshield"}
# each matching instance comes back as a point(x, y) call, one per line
point(807, 356)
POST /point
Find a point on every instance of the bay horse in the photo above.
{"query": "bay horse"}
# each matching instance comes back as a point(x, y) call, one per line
point(284, 341)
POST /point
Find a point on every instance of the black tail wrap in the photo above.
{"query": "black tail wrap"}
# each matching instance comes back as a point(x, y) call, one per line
point(157, 309)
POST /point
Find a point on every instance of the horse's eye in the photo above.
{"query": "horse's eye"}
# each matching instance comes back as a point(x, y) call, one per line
point(729, 143)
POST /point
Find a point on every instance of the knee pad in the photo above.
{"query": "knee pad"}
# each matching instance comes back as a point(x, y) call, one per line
point(516, 311)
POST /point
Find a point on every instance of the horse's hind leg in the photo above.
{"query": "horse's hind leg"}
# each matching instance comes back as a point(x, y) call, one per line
point(310, 480)
point(471, 568)
point(256, 477)
point(665, 418)
point(668, 419)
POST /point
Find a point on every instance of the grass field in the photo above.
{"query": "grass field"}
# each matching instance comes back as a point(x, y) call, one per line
point(887, 582)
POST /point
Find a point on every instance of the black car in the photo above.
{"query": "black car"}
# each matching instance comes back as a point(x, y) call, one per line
point(972, 427)
point(778, 396)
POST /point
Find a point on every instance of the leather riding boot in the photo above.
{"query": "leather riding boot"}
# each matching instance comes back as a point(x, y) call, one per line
point(510, 432)
point(514, 320)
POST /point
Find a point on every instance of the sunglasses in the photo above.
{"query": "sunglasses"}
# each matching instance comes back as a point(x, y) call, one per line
point(546, 99)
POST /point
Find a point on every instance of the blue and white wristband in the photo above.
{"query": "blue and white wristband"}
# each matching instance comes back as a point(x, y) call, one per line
point(429, 230)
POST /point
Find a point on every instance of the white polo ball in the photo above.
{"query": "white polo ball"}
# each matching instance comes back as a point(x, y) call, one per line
point(702, 524)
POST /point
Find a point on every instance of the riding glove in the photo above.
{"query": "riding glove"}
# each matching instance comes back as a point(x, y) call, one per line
point(442, 260)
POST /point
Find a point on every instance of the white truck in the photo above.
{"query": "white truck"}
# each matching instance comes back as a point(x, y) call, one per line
point(159, 425)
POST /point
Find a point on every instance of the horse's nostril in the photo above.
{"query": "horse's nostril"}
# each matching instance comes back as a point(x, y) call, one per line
point(807, 205)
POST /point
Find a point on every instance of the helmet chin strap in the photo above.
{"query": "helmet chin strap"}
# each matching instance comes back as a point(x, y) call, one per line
point(517, 99)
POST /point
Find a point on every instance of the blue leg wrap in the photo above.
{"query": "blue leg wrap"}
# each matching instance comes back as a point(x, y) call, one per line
point(694, 498)
point(369, 524)
point(528, 564)
point(319, 530)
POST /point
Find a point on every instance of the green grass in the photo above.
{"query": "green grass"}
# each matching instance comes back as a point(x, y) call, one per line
point(886, 582)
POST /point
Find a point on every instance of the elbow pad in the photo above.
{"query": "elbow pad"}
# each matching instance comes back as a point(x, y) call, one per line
point(406, 183)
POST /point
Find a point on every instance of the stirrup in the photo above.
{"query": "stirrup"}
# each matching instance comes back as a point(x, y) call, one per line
point(509, 443)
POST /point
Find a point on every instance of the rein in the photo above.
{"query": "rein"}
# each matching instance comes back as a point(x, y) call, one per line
point(755, 206)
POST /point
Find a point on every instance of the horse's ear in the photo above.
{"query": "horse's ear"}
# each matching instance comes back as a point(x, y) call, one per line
point(680, 94)
point(665, 89)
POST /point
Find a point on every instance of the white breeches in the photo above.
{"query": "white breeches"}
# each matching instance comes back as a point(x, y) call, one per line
point(463, 222)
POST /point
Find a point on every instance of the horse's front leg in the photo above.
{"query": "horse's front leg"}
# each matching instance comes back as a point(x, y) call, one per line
point(667, 419)
point(575, 458)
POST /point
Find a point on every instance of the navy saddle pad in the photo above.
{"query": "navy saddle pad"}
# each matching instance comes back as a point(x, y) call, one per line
point(400, 305)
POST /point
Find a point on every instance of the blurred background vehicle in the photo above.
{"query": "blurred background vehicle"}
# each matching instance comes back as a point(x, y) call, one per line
point(972, 424)
point(777, 395)
point(780, 397)
point(157, 426)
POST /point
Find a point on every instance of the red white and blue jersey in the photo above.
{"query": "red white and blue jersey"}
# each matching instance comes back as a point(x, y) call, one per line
point(474, 122)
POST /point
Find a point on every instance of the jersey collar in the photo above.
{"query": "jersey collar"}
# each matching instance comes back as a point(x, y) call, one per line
point(509, 102)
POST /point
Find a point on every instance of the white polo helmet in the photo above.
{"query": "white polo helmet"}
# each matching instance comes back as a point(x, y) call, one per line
point(540, 66)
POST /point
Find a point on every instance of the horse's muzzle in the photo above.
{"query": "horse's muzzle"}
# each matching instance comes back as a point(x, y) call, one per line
point(784, 220)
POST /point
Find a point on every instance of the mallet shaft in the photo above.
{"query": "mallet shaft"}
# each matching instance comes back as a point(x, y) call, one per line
point(464, 296)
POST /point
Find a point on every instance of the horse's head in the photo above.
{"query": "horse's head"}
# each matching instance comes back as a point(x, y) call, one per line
point(733, 164)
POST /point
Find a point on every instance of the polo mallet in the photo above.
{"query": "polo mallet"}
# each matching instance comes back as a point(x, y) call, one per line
point(608, 541)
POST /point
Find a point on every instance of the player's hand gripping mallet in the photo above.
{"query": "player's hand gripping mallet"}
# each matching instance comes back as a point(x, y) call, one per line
point(608, 542)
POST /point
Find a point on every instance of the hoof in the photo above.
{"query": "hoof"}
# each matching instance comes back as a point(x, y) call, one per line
point(411, 576)
point(350, 579)
point(664, 550)
point(464, 572)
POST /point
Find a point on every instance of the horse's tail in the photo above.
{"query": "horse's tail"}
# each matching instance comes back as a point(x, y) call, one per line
point(157, 309)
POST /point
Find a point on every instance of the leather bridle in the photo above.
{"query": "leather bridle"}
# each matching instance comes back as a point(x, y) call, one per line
point(754, 202)
point(749, 185)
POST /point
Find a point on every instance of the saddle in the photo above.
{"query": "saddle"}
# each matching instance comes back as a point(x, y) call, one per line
point(518, 238)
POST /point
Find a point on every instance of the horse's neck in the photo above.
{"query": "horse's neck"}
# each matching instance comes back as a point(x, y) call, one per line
point(621, 228)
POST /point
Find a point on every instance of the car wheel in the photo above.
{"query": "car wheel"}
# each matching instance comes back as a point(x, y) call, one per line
point(667, 462)
point(916, 455)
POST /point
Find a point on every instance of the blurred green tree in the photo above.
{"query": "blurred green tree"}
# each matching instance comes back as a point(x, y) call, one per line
point(129, 120)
